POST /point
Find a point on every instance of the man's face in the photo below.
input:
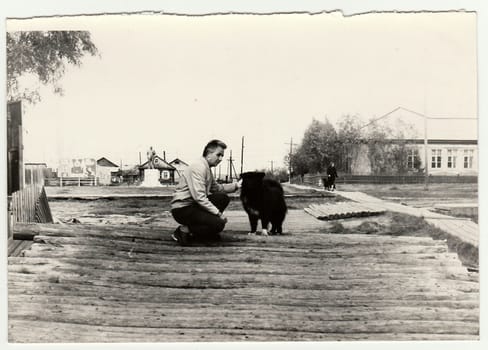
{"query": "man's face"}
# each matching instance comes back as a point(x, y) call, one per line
point(215, 156)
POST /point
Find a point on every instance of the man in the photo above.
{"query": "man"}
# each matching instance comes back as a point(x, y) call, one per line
point(199, 201)
point(331, 176)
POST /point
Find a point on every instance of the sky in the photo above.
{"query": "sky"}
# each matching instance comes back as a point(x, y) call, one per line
point(175, 82)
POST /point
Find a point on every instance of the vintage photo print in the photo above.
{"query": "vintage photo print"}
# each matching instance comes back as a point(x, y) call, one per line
point(231, 177)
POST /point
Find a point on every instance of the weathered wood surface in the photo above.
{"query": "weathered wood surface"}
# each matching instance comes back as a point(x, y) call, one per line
point(101, 283)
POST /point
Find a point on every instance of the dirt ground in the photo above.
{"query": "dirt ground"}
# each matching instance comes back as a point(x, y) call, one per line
point(133, 204)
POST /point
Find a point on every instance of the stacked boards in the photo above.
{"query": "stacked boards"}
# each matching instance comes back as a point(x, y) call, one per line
point(343, 210)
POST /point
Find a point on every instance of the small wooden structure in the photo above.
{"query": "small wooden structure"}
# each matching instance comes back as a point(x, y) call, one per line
point(166, 170)
point(105, 171)
point(180, 166)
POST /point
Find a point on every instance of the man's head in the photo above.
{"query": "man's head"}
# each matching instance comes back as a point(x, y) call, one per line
point(214, 152)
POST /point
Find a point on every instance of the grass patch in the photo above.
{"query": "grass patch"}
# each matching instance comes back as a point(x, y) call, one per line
point(398, 224)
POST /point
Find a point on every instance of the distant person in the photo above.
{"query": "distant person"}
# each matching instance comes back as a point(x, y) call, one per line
point(199, 201)
point(331, 176)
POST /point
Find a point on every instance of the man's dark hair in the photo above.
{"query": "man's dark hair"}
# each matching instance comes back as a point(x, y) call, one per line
point(212, 145)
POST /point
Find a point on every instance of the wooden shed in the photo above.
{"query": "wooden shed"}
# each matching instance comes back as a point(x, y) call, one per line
point(105, 171)
point(180, 167)
point(166, 170)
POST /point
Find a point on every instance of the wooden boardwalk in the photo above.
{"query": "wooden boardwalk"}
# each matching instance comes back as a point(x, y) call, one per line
point(132, 283)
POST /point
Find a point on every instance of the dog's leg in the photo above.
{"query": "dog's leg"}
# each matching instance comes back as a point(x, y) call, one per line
point(264, 224)
point(273, 229)
point(253, 220)
point(279, 230)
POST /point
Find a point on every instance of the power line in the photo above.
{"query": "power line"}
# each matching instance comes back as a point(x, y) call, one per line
point(417, 113)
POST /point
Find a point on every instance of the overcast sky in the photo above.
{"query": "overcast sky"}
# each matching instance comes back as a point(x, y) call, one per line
point(175, 82)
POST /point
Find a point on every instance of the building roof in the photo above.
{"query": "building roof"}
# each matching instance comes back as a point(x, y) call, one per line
point(105, 162)
point(411, 125)
point(159, 163)
point(178, 162)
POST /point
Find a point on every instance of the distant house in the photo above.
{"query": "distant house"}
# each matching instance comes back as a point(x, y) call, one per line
point(128, 175)
point(180, 166)
point(452, 145)
point(105, 170)
point(166, 170)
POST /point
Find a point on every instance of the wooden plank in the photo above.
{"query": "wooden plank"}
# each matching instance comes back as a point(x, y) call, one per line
point(347, 312)
point(326, 322)
point(286, 256)
point(227, 303)
point(391, 285)
point(250, 266)
point(216, 293)
point(41, 331)
point(135, 231)
point(12, 245)
point(273, 243)
point(21, 247)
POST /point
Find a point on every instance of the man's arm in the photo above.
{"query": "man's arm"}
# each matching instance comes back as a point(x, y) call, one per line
point(228, 188)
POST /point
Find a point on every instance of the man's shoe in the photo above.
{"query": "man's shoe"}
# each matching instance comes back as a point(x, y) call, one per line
point(181, 237)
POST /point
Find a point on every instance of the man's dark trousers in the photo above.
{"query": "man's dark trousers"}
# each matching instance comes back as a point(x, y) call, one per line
point(201, 222)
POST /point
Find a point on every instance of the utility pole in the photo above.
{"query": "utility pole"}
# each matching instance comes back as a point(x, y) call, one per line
point(230, 166)
point(289, 159)
point(271, 167)
point(426, 172)
point(140, 159)
point(242, 153)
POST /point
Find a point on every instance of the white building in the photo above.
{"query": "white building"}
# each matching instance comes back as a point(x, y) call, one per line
point(452, 143)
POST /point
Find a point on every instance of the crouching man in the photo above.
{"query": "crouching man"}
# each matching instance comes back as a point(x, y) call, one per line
point(199, 201)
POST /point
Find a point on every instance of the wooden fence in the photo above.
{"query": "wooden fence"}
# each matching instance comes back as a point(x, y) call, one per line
point(386, 179)
point(30, 205)
point(34, 174)
point(72, 181)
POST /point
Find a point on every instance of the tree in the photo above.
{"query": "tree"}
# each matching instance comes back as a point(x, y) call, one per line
point(388, 147)
point(299, 162)
point(43, 55)
point(349, 137)
point(318, 148)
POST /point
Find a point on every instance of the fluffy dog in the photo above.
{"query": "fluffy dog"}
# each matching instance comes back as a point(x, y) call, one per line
point(263, 199)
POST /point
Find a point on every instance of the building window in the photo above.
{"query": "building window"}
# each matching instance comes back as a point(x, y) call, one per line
point(411, 157)
point(451, 158)
point(468, 158)
point(165, 175)
point(436, 158)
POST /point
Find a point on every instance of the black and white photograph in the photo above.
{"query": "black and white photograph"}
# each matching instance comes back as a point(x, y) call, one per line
point(242, 176)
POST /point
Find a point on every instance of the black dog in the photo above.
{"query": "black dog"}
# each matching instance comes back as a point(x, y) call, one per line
point(263, 199)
